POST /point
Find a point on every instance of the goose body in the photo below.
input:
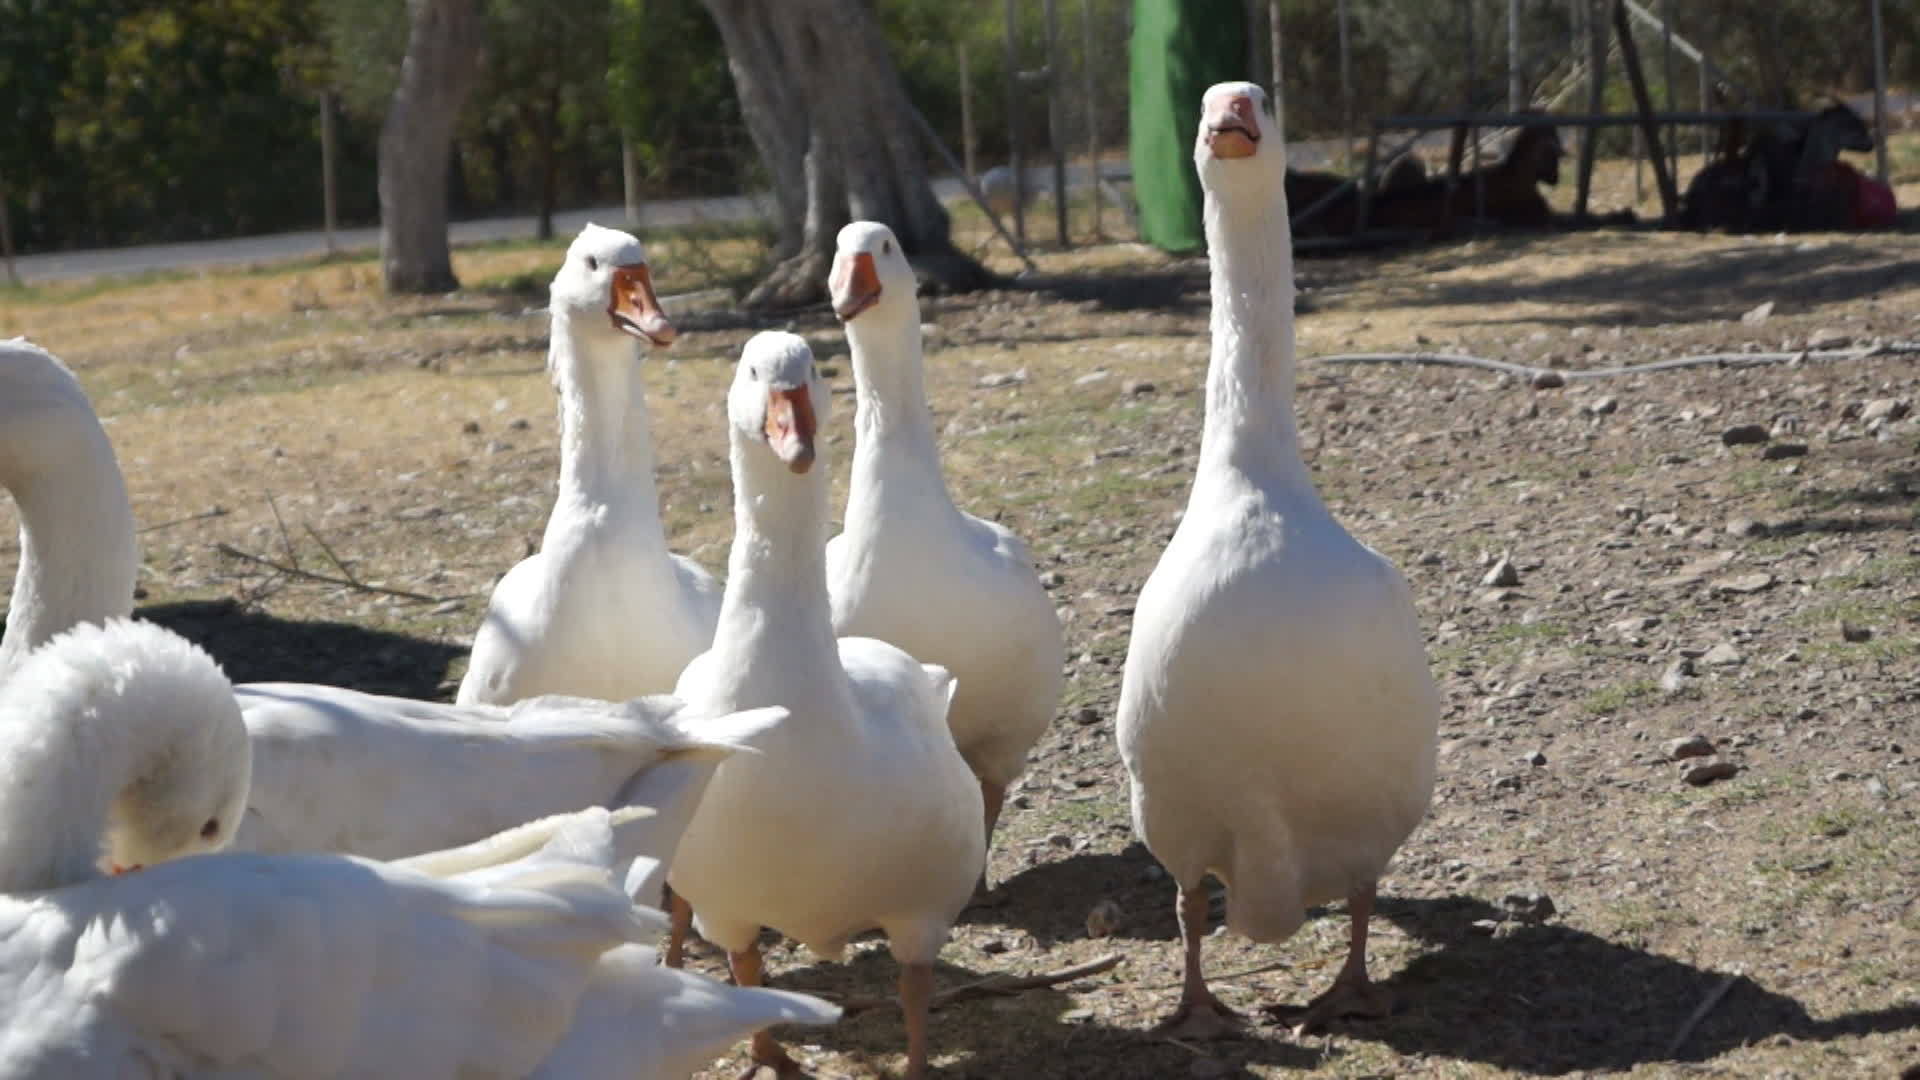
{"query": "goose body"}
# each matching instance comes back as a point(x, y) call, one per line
point(1277, 716)
point(913, 569)
point(78, 556)
point(603, 610)
point(488, 960)
point(859, 813)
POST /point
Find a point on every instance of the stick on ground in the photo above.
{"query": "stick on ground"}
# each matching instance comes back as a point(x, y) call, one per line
point(1002, 985)
point(325, 579)
point(1527, 371)
point(1700, 1013)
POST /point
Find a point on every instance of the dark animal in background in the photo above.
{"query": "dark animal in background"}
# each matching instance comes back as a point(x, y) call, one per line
point(1304, 189)
point(1788, 176)
point(1511, 190)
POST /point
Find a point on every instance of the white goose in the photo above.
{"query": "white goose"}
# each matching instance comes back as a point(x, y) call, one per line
point(336, 770)
point(603, 610)
point(907, 551)
point(1277, 716)
point(120, 743)
point(57, 462)
point(859, 813)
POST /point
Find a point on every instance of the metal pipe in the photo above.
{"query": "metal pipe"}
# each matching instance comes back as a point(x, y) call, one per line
point(1013, 129)
point(1879, 94)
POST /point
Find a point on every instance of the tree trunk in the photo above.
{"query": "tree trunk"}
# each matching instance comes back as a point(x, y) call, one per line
point(441, 64)
point(862, 157)
point(776, 118)
point(547, 134)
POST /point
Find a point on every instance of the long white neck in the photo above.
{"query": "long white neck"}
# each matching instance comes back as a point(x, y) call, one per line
point(69, 751)
point(776, 599)
point(895, 458)
point(1250, 424)
point(606, 443)
point(78, 555)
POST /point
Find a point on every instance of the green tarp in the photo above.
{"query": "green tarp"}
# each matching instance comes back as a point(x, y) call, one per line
point(1179, 48)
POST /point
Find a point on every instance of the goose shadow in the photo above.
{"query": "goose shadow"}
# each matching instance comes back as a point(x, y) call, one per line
point(1548, 999)
point(256, 647)
point(1050, 900)
point(1035, 1034)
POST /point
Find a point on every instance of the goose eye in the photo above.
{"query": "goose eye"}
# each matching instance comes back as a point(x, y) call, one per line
point(592, 264)
point(886, 247)
point(211, 829)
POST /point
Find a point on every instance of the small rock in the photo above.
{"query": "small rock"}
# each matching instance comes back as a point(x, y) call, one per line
point(519, 423)
point(1828, 338)
point(1723, 655)
point(1104, 919)
point(1758, 581)
point(1757, 315)
point(1002, 378)
point(1689, 746)
point(1854, 632)
point(1502, 575)
point(1138, 388)
point(1485, 927)
point(1536, 759)
point(471, 427)
point(1745, 435)
point(1052, 579)
point(1747, 528)
point(1674, 679)
point(1782, 450)
point(1530, 906)
point(1086, 716)
point(1706, 772)
point(1605, 406)
point(1209, 1068)
point(1545, 379)
point(994, 946)
point(1876, 787)
point(1884, 409)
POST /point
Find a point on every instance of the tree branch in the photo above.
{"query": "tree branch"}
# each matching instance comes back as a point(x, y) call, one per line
point(326, 579)
point(1526, 371)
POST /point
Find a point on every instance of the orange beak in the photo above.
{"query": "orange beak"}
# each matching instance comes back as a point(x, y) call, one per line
point(635, 310)
point(790, 427)
point(854, 286)
point(1233, 127)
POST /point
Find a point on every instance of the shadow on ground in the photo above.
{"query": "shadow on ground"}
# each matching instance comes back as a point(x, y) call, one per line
point(1550, 999)
point(1034, 1035)
point(1707, 286)
point(256, 647)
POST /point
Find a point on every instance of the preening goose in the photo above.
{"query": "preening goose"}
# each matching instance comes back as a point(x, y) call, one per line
point(1277, 717)
point(78, 556)
point(603, 610)
point(333, 769)
point(120, 744)
point(911, 568)
point(858, 813)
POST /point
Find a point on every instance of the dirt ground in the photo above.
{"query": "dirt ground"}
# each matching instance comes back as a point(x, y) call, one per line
point(1763, 596)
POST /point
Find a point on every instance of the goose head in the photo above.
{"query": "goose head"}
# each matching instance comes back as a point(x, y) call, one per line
point(1239, 150)
point(605, 287)
point(124, 748)
point(870, 273)
point(777, 399)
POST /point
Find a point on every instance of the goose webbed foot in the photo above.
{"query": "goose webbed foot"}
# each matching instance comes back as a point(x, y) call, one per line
point(1200, 1017)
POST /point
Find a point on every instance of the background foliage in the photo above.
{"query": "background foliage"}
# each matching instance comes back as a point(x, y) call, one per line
point(136, 120)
